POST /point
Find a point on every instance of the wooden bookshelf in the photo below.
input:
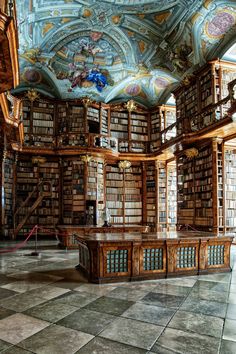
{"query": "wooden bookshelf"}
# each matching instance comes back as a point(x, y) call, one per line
point(133, 195)
point(27, 178)
point(42, 123)
point(200, 187)
point(155, 141)
point(148, 192)
point(151, 196)
point(171, 196)
point(26, 112)
point(115, 193)
point(138, 132)
point(119, 128)
point(196, 102)
point(229, 190)
point(185, 187)
point(162, 193)
point(8, 182)
point(48, 213)
point(204, 187)
point(73, 192)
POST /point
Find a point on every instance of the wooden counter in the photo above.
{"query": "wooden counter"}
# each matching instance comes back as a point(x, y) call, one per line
point(110, 257)
point(70, 232)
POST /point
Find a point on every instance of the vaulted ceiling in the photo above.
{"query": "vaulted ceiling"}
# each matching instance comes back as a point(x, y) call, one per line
point(115, 50)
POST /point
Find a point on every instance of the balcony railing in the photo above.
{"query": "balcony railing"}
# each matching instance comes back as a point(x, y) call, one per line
point(169, 133)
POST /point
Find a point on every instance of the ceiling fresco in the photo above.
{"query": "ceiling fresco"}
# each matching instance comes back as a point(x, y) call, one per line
point(115, 50)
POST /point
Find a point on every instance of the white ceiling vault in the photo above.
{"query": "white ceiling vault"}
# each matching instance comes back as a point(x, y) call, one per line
point(115, 50)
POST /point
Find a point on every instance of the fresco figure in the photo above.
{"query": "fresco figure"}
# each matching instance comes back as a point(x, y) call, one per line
point(99, 79)
point(77, 75)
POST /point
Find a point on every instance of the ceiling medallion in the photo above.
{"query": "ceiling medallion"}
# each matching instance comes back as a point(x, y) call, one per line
point(32, 95)
point(124, 164)
point(87, 13)
point(131, 106)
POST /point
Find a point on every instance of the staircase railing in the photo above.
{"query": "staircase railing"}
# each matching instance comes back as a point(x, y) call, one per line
point(42, 193)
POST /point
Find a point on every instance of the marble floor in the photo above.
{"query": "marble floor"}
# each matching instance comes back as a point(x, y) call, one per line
point(47, 307)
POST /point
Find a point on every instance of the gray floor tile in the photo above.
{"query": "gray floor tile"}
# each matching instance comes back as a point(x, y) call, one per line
point(91, 322)
point(211, 285)
point(148, 313)
point(97, 289)
point(4, 345)
point(183, 281)
point(67, 284)
point(104, 346)
point(56, 339)
point(232, 288)
point(16, 350)
point(227, 347)
point(210, 295)
point(144, 285)
point(21, 302)
point(52, 277)
point(232, 298)
point(161, 350)
point(171, 289)
point(186, 342)
point(165, 300)
point(229, 332)
point(48, 292)
point(132, 332)
point(75, 298)
point(231, 311)
point(51, 311)
point(212, 308)
point(4, 279)
point(127, 294)
point(199, 323)
point(22, 286)
point(220, 277)
point(5, 313)
point(5, 293)
point(109, 305)
point(17, 327)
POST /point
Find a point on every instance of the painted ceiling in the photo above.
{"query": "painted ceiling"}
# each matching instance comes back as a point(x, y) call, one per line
point(116, 50)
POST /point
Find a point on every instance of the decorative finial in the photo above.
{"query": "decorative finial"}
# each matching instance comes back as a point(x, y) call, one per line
point(124, 164)
point(32, 95)
point(86, 158)
point(131, 106)
point(38, 160)
point(86, 101)
point(191, 153)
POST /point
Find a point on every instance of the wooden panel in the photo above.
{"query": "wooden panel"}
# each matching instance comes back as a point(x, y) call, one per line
point(153, 258)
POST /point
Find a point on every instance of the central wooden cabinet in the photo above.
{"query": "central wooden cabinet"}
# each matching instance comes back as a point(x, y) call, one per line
point(127, 257)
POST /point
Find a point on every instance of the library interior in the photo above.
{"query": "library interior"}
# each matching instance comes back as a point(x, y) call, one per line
point(118, 176)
